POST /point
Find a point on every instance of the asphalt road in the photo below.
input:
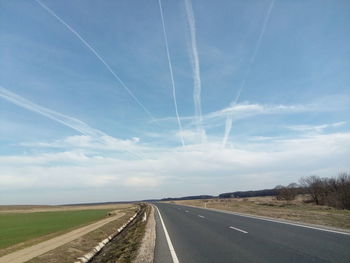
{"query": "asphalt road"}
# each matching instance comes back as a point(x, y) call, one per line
point(201, 235)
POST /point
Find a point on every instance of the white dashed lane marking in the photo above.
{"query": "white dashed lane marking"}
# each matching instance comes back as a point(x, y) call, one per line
point(237, 229)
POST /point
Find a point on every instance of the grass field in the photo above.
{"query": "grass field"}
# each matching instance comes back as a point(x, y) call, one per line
point(84, 244)
point(20, 227)
point(295, 210)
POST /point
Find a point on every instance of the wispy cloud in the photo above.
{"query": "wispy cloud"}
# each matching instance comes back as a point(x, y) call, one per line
point(315, 128)
point(244, 110)
point(196, 69)
point(171, 70)
point(105, 143)
point(66, 120)
point(247, 110)
point(97, 55)
point(229, 118)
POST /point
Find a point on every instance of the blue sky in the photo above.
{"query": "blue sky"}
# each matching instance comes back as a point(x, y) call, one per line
point(87, 108)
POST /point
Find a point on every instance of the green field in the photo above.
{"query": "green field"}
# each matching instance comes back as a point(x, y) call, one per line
point(19, 227)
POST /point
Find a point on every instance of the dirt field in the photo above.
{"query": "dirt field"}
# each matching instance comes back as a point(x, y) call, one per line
point(296, 210)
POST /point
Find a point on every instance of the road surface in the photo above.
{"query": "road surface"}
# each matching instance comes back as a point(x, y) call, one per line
point(201, 235)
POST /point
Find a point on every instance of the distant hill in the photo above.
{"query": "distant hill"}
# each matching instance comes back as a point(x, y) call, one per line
point(237, 194)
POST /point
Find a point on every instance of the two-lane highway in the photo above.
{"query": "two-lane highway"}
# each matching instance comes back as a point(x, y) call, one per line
point(202, 235)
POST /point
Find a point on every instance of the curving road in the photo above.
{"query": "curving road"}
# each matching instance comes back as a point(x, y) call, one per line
point(201, 235)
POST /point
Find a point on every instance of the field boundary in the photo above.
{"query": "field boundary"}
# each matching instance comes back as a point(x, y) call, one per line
point(90, 255)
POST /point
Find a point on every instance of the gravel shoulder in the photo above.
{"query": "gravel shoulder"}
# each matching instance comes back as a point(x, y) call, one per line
point(146, 250)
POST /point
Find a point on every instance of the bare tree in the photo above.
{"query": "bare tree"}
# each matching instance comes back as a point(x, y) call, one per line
point(287, 193)
point(343, 183)
point(333, 192)
point(313, 185)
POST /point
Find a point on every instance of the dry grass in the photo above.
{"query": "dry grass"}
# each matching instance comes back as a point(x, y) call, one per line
point(124, 248)
point(296, 210)
point(72, 250)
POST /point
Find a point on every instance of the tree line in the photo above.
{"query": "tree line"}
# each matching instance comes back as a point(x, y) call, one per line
point(333, 191)
point(243, 194)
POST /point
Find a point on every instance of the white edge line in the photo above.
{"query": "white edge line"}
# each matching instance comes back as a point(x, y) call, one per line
point(240, 230)
point(171, 248)
point(201, 216)
point(276, 221)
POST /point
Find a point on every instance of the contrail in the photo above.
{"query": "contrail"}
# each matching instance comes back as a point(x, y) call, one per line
point(68, 121)
point(228, 126)
point(228, 123)
point(97, 56)
point(196, 69)
point(229, 118)
point(171, 72)
point(61, 118)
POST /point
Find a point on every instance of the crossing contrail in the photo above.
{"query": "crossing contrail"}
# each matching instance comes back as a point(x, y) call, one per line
point(228, 123)
point(68, 121)
point(228, 126)
point(171, 72)
point(196, 69)
point(229, 118)
point(98, 56)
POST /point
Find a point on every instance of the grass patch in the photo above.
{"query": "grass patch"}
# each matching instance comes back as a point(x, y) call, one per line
point(20, 227)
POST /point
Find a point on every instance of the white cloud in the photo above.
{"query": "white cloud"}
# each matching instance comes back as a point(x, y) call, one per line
point(45, 158)
point(138, 181)
point(262, 163)
point(103, 180)
point(97, 160)
point(190, 136)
